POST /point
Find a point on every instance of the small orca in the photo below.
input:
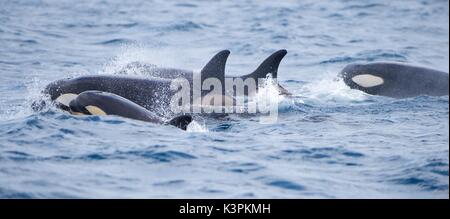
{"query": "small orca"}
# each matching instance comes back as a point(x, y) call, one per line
point(102, 103)
point(395, 80)
point(269, 65)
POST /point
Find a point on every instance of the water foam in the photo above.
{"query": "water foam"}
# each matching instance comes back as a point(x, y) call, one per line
point(194, 126)
point(331, 88)
point(23, 109)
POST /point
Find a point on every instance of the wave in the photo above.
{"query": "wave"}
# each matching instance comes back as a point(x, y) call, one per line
point(117, 41)
point(369, 56)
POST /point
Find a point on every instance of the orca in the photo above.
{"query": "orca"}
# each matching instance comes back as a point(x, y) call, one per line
point(397, 80)
point(101, 103)
point(268, 66)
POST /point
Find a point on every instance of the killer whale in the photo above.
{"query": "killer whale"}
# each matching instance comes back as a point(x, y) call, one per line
point(269, 65)
point(397, 80)
point(102, 103)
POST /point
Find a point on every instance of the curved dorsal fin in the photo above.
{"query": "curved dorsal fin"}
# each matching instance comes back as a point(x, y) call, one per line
point(215, 68)
point(269, 65)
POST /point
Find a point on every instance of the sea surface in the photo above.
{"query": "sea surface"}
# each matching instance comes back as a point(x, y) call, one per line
point(328, 141)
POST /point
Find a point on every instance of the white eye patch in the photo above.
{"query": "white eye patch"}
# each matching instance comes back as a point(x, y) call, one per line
point(95, 110)
point(367, 80)
point(65, 99)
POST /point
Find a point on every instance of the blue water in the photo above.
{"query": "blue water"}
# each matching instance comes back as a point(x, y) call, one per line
point(329, 141)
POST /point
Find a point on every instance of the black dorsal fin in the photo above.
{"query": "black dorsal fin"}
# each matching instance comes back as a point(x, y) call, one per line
point(216, 66)
point(181, 121)
point(269, 65)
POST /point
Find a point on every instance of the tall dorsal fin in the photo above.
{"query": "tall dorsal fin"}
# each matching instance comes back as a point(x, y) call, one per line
point(269, 65)
point(216, 66)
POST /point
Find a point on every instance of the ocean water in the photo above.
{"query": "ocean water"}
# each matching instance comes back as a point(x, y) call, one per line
point(328, 142)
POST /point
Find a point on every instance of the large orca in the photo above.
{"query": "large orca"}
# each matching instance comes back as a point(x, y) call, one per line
point(103, 103)
point(395, 80)
point(268, 66)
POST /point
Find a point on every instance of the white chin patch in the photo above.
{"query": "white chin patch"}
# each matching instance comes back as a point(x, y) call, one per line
point(65, 99)
point(366, 80)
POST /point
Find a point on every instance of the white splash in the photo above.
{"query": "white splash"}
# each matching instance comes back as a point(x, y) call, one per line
point(268, 94)
point(194, 126)
point(128, 53)
point(134, 59)
point(331, 88)
point(23, 109)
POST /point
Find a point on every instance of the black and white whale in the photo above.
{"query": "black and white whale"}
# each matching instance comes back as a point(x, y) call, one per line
point(103, 103)
point(395, 80)
point(268, 66)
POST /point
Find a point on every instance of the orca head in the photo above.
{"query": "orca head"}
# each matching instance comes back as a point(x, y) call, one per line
point(55, 90)
point(60, 91)
point(88, 103)
point(362, 77)
point(65, 90)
